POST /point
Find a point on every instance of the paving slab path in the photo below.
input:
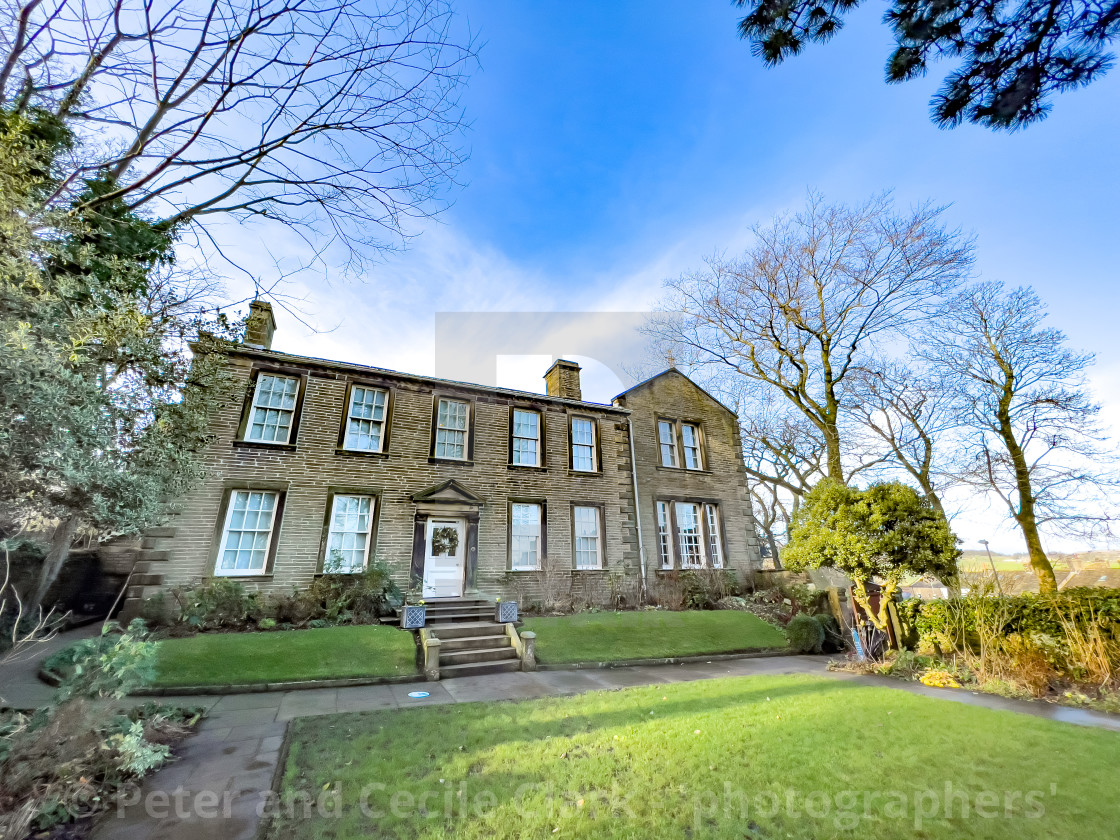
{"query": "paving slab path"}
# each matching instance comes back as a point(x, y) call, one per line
point(216, 787)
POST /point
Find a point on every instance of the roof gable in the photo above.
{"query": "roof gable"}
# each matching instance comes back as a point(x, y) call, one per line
point(648, 383)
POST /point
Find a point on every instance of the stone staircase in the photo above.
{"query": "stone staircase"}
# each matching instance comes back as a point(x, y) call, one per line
point(471, 642)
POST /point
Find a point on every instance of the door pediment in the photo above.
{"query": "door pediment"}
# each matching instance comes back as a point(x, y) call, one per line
point(449, 492)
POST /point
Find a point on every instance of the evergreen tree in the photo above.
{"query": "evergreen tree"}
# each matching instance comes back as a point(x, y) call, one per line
point(103, 404)
point(1012, 57)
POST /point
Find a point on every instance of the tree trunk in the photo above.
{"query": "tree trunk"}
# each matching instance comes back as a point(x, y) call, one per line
point(61, 540)
point(773, 549)
point(1025, 516)
point(859, 593)
point(1047, 583)
point(832, 442)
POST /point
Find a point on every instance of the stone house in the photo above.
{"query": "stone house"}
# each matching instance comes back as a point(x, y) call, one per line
point(460, 489)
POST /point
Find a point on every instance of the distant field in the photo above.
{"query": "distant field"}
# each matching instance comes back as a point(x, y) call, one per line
point(977, 561)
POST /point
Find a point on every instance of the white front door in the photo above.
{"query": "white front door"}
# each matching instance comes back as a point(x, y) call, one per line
point(445, 558)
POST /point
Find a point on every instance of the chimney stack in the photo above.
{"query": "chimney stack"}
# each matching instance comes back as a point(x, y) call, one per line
point(261, 325)
point(562, 380)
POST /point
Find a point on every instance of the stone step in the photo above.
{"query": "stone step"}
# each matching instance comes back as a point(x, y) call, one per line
point(458, 606)
point(461, 657)
point(474, 617)
point(474, 669)
point(460, 629)
point(472, 642)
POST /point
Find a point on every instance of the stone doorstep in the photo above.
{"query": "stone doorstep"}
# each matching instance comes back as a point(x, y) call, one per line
point(757, 653)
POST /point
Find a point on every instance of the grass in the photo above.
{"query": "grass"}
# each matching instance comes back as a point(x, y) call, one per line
point(241, 658)
point(793, 757)
point(615, 636)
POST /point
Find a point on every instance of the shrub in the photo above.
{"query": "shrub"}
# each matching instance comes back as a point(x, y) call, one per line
point(668, 592)
point(702, 588)
point(805, 634)
point(834, 640)
point(154, 610)
point(217, 604)
point(73, 756)
point(904, 664)
point(805, 597)
point(343, 598)
point(109, 665)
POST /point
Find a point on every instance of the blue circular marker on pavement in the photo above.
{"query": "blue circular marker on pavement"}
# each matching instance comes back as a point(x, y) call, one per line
point(419, 694)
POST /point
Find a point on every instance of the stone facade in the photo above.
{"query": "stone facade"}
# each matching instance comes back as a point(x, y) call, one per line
point(409, 484)
point(720, 480)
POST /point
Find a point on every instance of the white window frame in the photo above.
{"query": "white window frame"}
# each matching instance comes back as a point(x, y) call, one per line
point(516, 551)
point(348, 440)
point(715, 541)
point(280, 410)
point(698, 535)
point(665, 534)
point(579, 544)
point(667, 447)
point(231, 512)
point(514, 438)
point(695, 448)
point(465, 431)
point(591, 447)
point(334, 530)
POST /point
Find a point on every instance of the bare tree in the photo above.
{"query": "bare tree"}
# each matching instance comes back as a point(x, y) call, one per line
point(910, 411)
point(798, 311)
point(337, 118)
point(1034, 438)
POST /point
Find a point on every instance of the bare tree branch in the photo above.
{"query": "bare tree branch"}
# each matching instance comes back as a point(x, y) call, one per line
point(335, 117)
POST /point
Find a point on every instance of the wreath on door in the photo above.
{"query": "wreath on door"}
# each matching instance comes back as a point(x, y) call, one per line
point(445, 541)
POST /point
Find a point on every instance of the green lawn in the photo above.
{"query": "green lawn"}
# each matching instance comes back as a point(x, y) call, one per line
point(223, 658)
point(614, 636)
point(760, 757)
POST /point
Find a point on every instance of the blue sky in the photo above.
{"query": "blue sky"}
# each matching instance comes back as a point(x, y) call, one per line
point(614, 144)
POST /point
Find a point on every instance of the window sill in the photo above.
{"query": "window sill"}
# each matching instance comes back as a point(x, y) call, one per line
point(244, 576)
point(361, 453)
point(263, 444)
point(683, 470)
point(526, 468)
point(461, 462)
point(584, 472)
point(524, 571)
point(584, 571)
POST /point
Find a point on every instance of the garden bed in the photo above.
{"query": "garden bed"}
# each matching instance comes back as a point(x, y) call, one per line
point(649, 634)
point(219, 659)
point(792, 757)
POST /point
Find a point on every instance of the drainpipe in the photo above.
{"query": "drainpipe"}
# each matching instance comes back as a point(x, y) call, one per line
point(637, 508)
